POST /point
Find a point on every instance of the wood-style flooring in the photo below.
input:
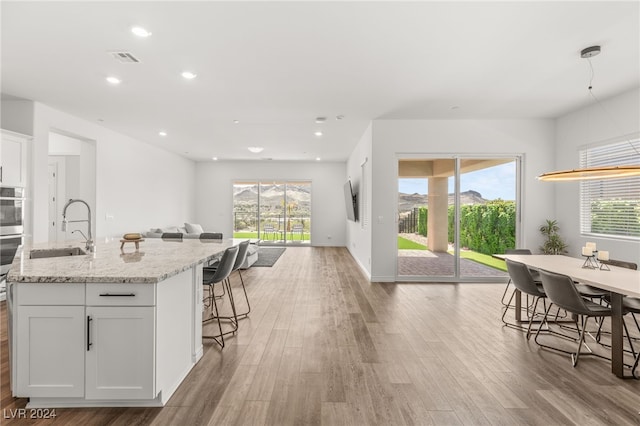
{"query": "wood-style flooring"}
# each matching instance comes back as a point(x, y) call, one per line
point(324, 346)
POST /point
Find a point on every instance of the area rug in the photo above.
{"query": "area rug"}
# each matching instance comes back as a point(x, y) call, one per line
point(268, 256)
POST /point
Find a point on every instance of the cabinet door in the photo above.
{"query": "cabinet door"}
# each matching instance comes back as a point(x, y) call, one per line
point(50, 344)
point(12, 160)
point(120, 357)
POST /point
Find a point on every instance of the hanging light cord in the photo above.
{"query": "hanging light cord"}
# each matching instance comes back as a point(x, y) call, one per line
point(595, 98)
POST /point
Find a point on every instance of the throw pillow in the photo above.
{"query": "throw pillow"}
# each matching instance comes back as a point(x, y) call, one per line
point(193, 228)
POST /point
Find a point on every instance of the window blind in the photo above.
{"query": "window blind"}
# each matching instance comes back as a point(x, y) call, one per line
point(611, 207)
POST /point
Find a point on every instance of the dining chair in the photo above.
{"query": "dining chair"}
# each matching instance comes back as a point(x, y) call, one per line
point(522, 280)
point(535, 275)
point(210, 279)
point(630, 305)
point(297, 229)
point(561, 291)
point(269, 229)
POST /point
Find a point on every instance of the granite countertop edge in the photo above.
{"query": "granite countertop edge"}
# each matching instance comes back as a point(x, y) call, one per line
point(103, 279)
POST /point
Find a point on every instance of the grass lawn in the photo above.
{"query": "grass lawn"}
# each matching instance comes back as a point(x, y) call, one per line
point(404, 244)
point(484, 259)
point(245, 234)
point(296, 237)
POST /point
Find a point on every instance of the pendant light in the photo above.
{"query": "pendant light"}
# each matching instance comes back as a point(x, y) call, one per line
point(593, 173)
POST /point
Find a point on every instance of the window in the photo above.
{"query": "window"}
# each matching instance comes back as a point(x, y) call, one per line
point(611, 207)
point(277, 212)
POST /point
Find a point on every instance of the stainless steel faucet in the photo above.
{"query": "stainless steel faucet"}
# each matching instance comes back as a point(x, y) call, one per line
point(90, 246)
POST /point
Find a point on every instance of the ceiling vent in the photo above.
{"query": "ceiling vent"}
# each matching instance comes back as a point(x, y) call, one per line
point(125, 57)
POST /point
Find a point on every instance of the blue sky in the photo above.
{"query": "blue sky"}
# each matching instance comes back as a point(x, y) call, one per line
point(492, 183)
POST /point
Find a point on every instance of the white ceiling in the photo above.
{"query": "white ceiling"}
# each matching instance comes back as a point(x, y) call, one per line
point(275, 66)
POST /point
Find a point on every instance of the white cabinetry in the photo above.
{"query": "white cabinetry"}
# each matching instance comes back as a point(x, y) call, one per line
point(13, 159)
point(105, 344)
point(120, 353)
point(50, 340)
point(120, 341)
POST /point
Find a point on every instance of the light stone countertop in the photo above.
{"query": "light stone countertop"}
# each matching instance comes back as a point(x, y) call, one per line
point(156, 260)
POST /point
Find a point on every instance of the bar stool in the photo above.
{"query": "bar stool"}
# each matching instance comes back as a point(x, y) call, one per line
point(243, 248)
point(221, 275)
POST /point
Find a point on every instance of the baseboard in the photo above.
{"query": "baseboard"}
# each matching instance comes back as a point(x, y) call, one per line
point(360, 265)
point(383, 279)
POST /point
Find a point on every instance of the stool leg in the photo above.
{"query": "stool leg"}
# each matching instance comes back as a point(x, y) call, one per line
point(219, 339)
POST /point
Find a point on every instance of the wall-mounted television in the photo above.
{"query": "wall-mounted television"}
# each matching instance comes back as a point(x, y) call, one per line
point(351, 202)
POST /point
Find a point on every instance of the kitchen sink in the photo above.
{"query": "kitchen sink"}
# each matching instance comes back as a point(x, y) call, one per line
point(56, 252)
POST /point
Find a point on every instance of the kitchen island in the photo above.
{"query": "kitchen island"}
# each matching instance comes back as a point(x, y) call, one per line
point(117, 327)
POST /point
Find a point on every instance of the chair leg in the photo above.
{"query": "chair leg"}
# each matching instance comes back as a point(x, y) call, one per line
point(505, 293)
point(244, 314)
point(506, 307)
point(206, 301)
point(574, 360)
point(234, 320)
point(535, 305)
point(219, 338)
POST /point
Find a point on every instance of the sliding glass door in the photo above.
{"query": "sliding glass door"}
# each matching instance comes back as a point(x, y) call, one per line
point(453, 214)
point(276, 212)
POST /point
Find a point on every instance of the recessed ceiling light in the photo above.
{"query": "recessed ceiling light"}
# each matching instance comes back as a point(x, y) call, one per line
point(455, 107)
point(113, 80)
point(162, 133)
point(318, 133)
point(140, 32)
point(321, 120)
point(236, 121)
point(255, 149)
point(317, 158)
point(214, 158)
point(339, 117)
point(188, 75)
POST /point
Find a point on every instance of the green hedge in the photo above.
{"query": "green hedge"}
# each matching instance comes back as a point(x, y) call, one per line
point(423, 214)
point(485, 228)
point(616, 217)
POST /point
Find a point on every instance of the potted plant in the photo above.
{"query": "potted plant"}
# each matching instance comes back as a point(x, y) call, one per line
point(554, 243)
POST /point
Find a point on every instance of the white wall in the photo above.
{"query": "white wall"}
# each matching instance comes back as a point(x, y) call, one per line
point(214, 199)
point(138, 184)
point(358, 239)
point(532, 138)
point(619, 119)
point(17, 116)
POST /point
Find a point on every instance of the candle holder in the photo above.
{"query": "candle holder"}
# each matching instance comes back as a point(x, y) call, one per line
point(604, 266)
point(590, 262)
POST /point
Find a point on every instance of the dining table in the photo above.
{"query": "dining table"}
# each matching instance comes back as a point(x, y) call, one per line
point(619, 281)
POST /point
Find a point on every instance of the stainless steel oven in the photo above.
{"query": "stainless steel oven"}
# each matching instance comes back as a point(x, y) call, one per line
point(8, 246)
point(11, 224)
point(11, 210)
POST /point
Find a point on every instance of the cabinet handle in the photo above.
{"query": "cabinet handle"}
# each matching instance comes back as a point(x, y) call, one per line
point(89, 319)
point(117, 294)
point(0, 174)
